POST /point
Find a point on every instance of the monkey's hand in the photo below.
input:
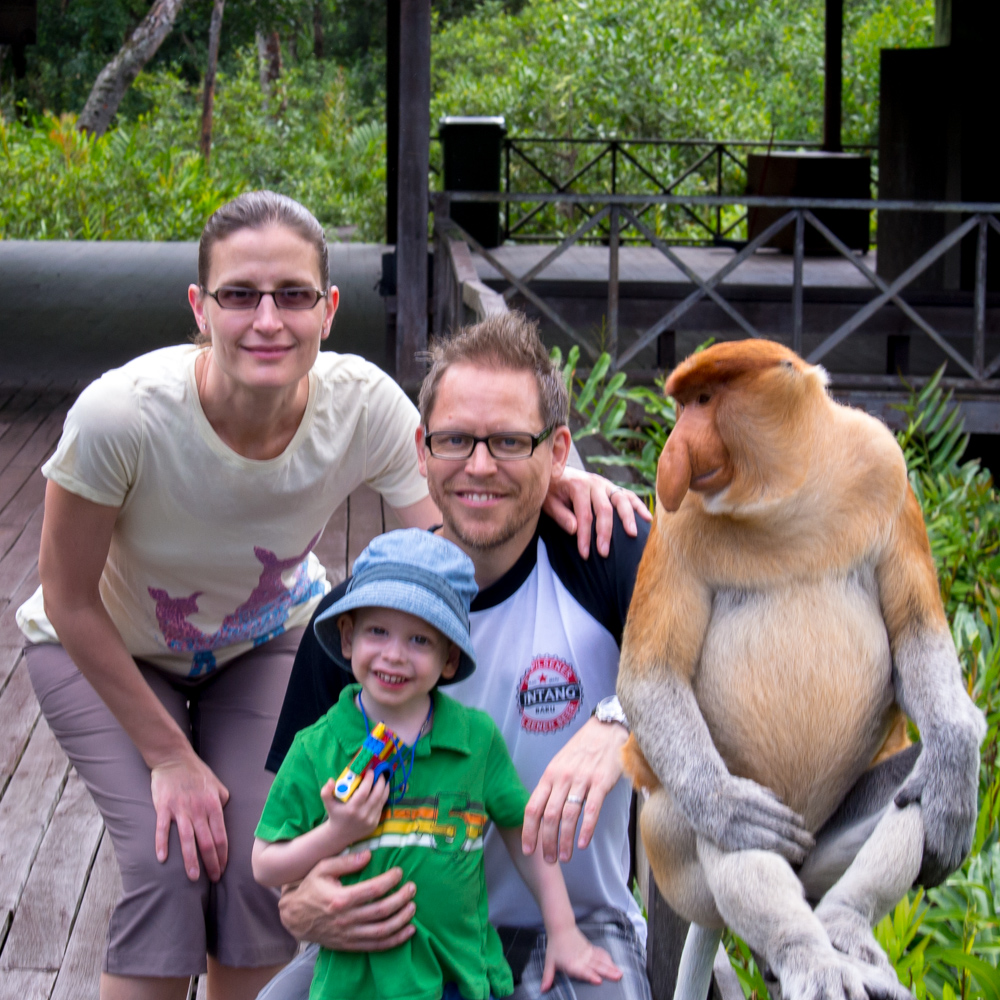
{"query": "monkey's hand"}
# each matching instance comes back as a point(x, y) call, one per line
point(945, 781)
point(737, 814)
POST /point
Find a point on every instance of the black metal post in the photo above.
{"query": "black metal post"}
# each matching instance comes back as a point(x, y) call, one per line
point(414, 151)
point(391, 119)
point(797, 279)
point(613, 285)
point(833, 73)
point(979, 296)
point(506, 188)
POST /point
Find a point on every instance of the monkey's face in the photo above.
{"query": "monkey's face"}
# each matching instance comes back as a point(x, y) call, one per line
point(695, 456)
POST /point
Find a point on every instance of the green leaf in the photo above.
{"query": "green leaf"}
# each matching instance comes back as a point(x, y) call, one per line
point(986, 975)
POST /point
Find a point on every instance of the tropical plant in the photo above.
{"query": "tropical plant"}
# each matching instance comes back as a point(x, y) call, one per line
point(146, 179)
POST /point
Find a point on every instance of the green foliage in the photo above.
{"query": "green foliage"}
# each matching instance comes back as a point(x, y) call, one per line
point(146, 180)
point(589, 68)
point(668, 68)
point(634, 421)
point(57, 183)
point(958, 500)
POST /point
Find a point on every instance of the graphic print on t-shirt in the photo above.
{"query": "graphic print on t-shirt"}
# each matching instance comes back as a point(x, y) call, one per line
point(424, 822)
point(260, 617)
point(548, 695)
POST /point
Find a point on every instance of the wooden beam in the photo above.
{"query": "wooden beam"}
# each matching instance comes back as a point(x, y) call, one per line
point(414, 150)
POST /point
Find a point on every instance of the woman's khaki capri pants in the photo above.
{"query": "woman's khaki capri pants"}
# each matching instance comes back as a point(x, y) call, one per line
point(164, 924)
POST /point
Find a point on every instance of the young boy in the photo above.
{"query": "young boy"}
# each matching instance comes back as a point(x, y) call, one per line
point(402, 628)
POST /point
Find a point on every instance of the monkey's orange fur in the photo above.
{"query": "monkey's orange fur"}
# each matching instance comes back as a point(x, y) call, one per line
point(817, 542)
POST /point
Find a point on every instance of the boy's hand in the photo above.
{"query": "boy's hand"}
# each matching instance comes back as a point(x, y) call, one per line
point(360, 814)
point(570, 952)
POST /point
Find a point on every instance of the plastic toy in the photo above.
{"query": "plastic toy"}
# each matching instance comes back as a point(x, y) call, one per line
point(378, 753)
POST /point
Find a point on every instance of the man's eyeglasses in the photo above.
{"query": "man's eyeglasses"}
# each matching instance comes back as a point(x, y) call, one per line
point(506, 446)
point(236, 297)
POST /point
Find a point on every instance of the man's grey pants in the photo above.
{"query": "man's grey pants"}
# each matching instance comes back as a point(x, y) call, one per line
point(608, 928)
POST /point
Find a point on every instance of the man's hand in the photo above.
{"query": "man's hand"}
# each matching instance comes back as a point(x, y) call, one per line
point(576, 499)
point(577, 779)
point(358, 917)
point(187, 793)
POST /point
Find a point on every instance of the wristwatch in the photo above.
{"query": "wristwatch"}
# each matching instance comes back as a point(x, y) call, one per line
point(610, 710)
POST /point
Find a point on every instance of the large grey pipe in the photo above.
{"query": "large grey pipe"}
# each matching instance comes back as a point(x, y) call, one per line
point(73, 309)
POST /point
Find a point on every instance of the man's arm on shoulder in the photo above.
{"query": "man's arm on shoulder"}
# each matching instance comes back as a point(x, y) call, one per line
point(579, 777)
point(313, 687)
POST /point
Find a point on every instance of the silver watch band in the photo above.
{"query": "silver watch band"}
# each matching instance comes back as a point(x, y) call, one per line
point(610, 710)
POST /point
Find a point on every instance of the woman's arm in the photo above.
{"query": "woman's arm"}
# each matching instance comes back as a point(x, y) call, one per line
point(566, 950)
point(76, 538)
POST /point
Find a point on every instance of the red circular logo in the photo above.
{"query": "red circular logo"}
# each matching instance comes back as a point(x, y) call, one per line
point(548, 695)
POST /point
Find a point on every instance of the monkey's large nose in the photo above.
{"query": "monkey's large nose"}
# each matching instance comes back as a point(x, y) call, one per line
point(673, 474)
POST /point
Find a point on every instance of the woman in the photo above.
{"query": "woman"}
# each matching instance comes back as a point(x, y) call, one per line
point(184, 499)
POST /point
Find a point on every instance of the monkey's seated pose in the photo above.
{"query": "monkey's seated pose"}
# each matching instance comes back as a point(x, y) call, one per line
point(786, 615)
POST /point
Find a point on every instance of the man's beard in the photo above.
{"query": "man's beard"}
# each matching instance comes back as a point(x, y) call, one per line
point(487, 536)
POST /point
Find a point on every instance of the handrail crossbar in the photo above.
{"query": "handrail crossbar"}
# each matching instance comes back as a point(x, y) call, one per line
point(693, 158)
point(623, 212)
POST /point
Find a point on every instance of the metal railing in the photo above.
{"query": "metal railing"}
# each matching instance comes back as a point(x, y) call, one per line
point(622, 212)
point(656, 166)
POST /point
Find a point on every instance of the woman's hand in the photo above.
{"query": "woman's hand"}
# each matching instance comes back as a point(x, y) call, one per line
point(577, 499)
point(186, 792)
point(570, 952)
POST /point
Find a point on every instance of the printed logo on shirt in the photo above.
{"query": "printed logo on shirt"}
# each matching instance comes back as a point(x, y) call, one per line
point(548, 695)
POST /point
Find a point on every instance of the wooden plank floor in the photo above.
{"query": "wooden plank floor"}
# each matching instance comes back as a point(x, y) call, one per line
point(58, 875)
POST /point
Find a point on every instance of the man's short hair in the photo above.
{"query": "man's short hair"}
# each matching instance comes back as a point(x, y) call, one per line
point(508, 341)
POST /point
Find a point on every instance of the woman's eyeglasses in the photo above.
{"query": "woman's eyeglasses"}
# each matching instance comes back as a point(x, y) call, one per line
point(236, 297)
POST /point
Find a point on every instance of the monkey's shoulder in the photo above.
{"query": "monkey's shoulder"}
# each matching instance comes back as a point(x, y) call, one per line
point(860, 474)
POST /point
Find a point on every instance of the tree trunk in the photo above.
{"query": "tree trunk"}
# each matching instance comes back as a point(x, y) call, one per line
point(269, 54)
point(318, 30)
point(117, 76)
point(214, 31)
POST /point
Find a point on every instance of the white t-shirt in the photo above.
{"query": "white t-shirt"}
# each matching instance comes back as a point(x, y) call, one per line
point(212, 552)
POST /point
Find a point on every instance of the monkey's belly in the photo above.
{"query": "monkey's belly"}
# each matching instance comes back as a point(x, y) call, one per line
point(795, 685)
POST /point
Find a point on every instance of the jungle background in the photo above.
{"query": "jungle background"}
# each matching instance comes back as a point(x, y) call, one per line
point(312, 124)
point(666, 69)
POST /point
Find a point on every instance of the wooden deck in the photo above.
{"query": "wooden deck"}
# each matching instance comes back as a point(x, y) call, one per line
point(58, 875)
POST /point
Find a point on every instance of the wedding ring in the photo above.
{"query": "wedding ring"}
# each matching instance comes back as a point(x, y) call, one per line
point(611, 493)
point(576, 800)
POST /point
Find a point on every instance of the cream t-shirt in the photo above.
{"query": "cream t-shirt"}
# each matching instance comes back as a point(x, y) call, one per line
point(212, 552)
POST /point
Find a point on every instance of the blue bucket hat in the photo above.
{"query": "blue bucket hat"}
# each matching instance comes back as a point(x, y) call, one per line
point(414, 571)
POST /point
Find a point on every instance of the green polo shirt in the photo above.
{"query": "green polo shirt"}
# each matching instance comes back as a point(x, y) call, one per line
point(462, 776)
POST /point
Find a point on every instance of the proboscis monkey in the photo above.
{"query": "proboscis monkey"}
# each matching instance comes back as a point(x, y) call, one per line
point(786, 614)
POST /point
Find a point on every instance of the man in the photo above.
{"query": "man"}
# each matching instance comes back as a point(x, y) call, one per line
point(546, 625)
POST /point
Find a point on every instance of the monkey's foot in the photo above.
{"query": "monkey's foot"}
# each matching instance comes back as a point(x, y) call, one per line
point(811, 973)
point(851, 934)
